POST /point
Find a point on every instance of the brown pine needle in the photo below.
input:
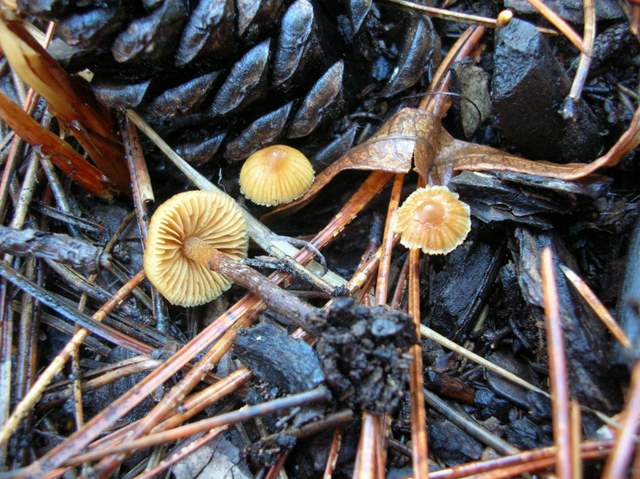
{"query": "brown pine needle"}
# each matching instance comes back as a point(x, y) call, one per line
point(365, 466)
point(419, 438)
point(576, 439)
point(332, 457)
point(557, 369)
point(620, 458)
point(559, 23)
point(592, 300)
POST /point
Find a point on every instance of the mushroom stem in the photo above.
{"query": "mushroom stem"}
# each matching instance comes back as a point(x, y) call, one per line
point(276, 298)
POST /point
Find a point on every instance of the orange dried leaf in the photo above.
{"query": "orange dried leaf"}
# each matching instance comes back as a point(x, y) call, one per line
point(69, 99)
point(62, 154)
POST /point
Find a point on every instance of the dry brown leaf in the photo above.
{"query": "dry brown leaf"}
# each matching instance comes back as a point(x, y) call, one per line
point(415, 136)
point(69, 100)
point(62, 154)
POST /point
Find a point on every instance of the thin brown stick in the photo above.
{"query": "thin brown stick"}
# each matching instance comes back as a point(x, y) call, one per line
point(23, 408)
point(559, 23)
point(592, 300)
point(401, 285)
point(557, 369)
point(620, 458)
point(276, 298)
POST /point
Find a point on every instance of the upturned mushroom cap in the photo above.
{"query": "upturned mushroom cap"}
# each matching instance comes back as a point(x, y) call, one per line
point(212, 217)
point(276, 174)
point(432, 219)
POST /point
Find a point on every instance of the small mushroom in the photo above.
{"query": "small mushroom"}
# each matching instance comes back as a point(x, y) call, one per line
point(195, 249)
point(432, 219)
point(181, 233)
point(276, 174)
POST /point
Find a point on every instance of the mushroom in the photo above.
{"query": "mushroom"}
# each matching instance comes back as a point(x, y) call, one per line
point(276, 174)
point(432, 219)
point(195, 249)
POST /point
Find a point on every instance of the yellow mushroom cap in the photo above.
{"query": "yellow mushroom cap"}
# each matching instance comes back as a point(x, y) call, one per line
point(432, 219)
point(276, 174)
point(212, 217)
point(504, 18)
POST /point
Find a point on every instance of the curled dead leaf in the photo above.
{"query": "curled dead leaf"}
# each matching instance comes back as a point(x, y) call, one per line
point(416, 137)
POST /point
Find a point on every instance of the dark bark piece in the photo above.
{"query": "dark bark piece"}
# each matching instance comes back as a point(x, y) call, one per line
point(199, 153)
point(524, 62)
point(585, 338)
point(184, 98)
point(611, 42)
point(56, 247)
point(457, 292)
point(323, 97)
point(262, 132)
point(278, 359)
point(358, 10)
point(505, 388)
point(524, 433)
point(91, 28)
point(295, 34)
point(335, 149)
point(414, 56)
point(152, 38)
point(451, 444)
point(245, 81)
point(121, 95)
point(629, 301)
point(525, 199)
point(210, 30)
